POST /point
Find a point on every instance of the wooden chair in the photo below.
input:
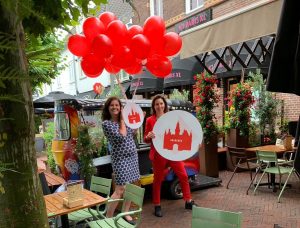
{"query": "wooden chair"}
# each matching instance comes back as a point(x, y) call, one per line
point(240, 159)
point(98, 185)
point(213, 218)
point(132, 193)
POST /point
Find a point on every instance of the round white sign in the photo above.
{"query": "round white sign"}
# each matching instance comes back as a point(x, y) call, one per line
point(133, 115)
point(178, 135)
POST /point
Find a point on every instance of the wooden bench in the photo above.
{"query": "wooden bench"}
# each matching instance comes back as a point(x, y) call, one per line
point(53, 180)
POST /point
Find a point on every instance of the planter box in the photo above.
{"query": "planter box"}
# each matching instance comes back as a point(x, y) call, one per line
point(209, 158)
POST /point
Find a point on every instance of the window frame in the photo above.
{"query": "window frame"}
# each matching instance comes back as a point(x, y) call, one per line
point(187, 6)
point(152, 8)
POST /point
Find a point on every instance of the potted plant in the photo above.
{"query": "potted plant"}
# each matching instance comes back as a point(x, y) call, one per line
point(265, 109)
point(240, 102)
point(84, 150)
point(205, 100)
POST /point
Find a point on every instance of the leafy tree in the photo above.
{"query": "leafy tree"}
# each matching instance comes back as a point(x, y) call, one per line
point(44, 59)
point(22, 204)
point(266, 107)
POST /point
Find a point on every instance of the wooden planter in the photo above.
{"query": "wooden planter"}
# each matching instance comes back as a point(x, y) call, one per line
point(209, 157)
point(234, 139)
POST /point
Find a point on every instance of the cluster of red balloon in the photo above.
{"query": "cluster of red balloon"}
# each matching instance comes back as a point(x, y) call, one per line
point(108, 44)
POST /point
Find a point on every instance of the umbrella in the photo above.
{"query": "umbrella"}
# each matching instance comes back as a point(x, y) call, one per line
point(284, 75)
point(183, 72)
point(146, 82)
point(48, 100)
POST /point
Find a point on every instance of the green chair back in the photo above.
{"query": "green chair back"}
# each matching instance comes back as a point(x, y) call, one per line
point(135, 194)
point(267, 156)
point(213, 218)
point(100, 185)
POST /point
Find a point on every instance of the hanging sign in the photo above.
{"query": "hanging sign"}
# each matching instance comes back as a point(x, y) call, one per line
point(133, 115)
point(178, 135)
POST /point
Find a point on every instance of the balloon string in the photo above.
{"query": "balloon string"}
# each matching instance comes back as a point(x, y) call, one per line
point(137, 85)
point(121, 87)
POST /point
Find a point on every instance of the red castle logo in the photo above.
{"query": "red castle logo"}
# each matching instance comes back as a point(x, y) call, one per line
point(134, 117)
point(183, 141)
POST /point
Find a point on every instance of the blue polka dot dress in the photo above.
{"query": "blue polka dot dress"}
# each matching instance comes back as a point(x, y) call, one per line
point(123, 154)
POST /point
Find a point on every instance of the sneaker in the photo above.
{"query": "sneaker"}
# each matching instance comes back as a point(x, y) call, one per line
point(157, 211)
point(189, 205)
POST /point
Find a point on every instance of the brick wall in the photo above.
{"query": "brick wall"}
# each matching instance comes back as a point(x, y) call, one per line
point(229, 6)
point(291, 105)
point(143, 8)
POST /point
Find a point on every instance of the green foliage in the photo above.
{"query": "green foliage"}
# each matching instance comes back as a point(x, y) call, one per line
point(177, 95)
point(266, 106)
point(206, 99)
point(84, 150)
point(44, 58)
point(48, 137)
point(116, 91)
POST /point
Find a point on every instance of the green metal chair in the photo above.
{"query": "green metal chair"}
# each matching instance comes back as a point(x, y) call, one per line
point(273, 166)
point(98, 185)
point(294, 169)
point(213, 218)
point(132, 193)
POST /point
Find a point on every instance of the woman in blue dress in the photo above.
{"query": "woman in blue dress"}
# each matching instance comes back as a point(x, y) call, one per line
point(124, 156)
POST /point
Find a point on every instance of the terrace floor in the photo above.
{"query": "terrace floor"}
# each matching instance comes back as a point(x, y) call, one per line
point(260, 210)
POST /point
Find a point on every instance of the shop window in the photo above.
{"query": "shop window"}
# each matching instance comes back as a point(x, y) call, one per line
point(156, 7)
point(191, 5)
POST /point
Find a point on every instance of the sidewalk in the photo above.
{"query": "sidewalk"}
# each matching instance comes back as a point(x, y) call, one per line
point(259, 211)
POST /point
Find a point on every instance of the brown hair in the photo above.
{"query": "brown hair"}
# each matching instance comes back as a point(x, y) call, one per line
point(164, 100)
point(105, 113)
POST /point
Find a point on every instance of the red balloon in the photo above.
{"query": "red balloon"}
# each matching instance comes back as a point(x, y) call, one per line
point(98, 88)
point(123, 58)
point(78, 45)
point(107, 17)
point(136, 68)
point(117, 32)
point(102, 46)
point(92, 27)
point(110, 68)
point(140, 46)
point(172, 44)
point(92, 66)
point(154, 26)
point(160, 66)
point(134, 30)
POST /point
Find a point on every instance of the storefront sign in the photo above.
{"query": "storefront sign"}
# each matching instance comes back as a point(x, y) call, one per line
point(174, 75)
point(194, 20)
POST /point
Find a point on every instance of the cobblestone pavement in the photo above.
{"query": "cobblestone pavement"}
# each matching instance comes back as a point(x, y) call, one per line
point(260, 210)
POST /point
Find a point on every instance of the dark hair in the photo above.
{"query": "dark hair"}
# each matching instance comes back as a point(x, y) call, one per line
point(164, 100)
point(105, 113)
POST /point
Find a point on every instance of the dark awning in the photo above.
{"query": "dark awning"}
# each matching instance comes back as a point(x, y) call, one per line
point(146, 82)
point(183, 72)
point(284, 74)
point(48, 100)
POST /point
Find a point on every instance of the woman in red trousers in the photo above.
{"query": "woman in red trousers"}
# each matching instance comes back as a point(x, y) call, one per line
point(159, 163)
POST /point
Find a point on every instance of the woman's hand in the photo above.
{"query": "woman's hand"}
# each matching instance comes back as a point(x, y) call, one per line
point(150, 135)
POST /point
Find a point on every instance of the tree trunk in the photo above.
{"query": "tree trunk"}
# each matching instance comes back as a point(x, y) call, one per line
point(22, 204)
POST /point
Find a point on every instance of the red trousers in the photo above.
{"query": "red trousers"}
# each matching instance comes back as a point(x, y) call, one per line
point(159, 165)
